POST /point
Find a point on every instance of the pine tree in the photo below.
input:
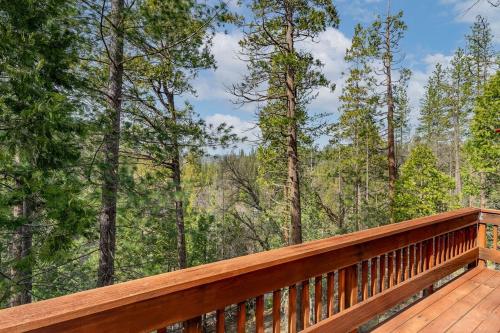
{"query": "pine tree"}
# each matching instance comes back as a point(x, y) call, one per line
point(422, 189)
point(480, 53)
point(483, 149)
point(160, 129)
point(356, 129)
point(284, 78)
point(111, 145)
point(402, 111)
point(459, 96)
point(385, 38)
point(481, 58)
point(434, 121)
point(40, 132)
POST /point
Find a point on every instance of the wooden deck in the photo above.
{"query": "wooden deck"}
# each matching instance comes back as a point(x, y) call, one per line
point(471, 303)
point(336, 284)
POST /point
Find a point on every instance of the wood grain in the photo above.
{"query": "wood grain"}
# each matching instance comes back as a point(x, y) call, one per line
point(358, 314)
point(242, 317)
point(292, 309)
point(489, 254)
point(277, 311)
point(259, 314)
point(318, 297)
point(330, 284)
point(141, 305)
point(221, 322)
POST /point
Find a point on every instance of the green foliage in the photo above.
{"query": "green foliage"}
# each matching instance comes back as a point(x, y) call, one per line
point(484, 145)
point(421, 188)
point(40, 132)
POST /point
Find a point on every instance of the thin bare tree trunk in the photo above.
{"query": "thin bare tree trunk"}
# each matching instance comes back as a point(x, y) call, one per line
point(177, 178)
point(107, 240)
point(20, 249)
point(456, 141)
point(292, 149)
point(391, 158)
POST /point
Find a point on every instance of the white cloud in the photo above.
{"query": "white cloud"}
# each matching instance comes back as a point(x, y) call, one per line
point(330, 49)
point(433, 59)
point(240, 127)
point(213, 85)
point(467, 10)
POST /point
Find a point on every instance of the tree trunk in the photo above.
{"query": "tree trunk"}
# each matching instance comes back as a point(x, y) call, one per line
point(482, 192)
point(391, 159)
point(21, 271)
point(456, 143)
point(107, 240)
point(292, 149)
point(176, 177)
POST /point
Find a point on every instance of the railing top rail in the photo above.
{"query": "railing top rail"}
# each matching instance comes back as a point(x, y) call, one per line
point(60, 309)
point(490, 211)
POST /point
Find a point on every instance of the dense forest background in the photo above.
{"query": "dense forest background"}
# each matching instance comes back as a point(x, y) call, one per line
point(108, 173)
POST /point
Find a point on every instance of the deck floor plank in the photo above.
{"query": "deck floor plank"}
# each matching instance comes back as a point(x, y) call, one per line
point(477, 315)
point(470, 303)
point(394, 324)
point(491, 324)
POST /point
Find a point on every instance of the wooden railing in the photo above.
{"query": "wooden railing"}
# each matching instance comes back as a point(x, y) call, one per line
point(330, 285)
point(488, 237)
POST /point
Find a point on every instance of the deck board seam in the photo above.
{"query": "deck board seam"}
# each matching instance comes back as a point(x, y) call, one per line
point(461, 280)
point(471, 307)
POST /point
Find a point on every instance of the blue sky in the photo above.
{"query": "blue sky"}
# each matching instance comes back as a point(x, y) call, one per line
point(435, 29)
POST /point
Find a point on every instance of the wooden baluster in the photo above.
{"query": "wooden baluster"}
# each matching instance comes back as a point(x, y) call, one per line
point(481, 241)
point(411, 255)
point(364, 280)
point(429, 262)
point(399, 273)
point(390, 268)
point(220, 326)
point(277, 311)
point(439, 250)
point(442, 248)
point(193, 325)
point(450, 246)
point(306, 311)
point(406, 272)
point(418, 258)
point(351, 286)
point(495, 237)
point(431, 253)
point(318, 296)
point(373, 276)
point(330, 284)
point(381, 280)
point(342, 289)
point(292, 309)
point(474, 235)
point(462, 241)
point(259, 314)
point(436, 250)
point(445, 247)
point(242, 314)
point(466, 239)
point(469, 238)
point(455, 243)
point(447, 255)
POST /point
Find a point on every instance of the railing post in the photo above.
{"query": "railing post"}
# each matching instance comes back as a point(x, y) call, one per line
point(481, 241)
